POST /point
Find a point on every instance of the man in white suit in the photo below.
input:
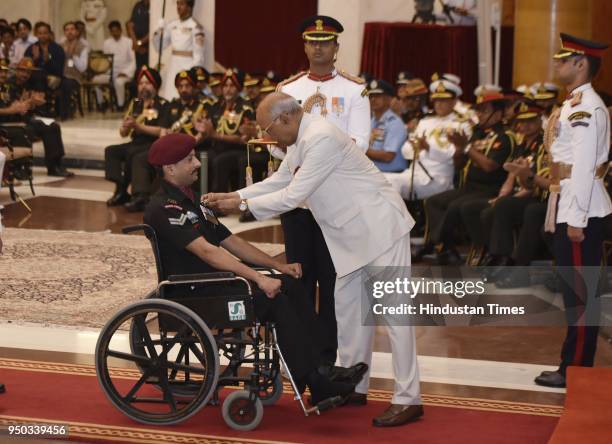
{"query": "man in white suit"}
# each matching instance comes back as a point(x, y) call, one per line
point(364, 221)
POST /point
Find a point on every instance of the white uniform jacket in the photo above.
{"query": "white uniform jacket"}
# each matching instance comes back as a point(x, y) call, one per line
point(582, 139)
point(360, 214)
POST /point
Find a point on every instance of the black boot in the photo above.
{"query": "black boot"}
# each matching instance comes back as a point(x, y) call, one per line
point(420, 253)
point(325, 393)
point(120, 197)
point(58, 170)
point(137, 204)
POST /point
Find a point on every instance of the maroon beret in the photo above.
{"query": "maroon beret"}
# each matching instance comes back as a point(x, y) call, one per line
point(171, 149)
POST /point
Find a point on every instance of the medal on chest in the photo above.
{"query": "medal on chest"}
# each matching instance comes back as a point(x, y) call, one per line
point(317, 99)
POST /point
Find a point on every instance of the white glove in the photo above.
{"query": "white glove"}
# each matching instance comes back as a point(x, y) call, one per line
point(160, 23)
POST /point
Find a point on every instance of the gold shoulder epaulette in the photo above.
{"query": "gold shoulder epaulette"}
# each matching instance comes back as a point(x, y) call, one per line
point(288, 80)
point(351, 77)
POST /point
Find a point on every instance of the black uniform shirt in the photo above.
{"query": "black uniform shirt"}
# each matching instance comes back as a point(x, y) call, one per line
point(178, 221)
point(498, 146)
point(226, 120)
point(154, 116)
point(176, 111)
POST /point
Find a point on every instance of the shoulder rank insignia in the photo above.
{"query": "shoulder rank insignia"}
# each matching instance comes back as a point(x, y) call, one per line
point(178, 220)
point(364, 92)
point(576, 99)
point(579, 115)
point(352, 78)
point(288, 80)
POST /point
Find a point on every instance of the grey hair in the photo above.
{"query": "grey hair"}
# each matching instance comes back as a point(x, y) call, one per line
point(284, 104)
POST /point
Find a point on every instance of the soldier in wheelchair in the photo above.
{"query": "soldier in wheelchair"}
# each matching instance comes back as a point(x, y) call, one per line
point(224, 294)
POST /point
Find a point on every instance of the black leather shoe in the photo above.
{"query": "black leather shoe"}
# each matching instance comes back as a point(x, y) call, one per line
point(2, 388)
point(552, 379)
point(397, 414)
point(59, 171)
point(351, 375)
point(325, 393)
point(119, 198)
point(356, 399)
point(137, 204)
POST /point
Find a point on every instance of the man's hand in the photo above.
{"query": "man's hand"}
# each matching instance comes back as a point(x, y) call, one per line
point(421, 143)
point(225, 202)
point(248, 129)
point(129, 122)
point(271, 287)
point(519, 167)
point(20, 107)
point(293, 270)
point(575, 234)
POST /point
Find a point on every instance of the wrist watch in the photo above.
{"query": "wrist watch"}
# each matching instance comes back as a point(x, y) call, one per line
point(243, 205)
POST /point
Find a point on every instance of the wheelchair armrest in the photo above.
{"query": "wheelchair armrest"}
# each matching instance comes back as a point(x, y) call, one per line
point(260, 268)
point(200, 277)
point(132, 228)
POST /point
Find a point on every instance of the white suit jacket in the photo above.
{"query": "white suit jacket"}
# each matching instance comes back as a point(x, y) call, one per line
point(360, 214)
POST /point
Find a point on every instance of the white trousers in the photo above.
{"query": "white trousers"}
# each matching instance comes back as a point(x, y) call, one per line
point(355, 341)
point(423, 186)
point(118, 83)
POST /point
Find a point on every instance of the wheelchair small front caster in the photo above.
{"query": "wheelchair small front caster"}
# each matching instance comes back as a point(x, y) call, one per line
point(240, 413)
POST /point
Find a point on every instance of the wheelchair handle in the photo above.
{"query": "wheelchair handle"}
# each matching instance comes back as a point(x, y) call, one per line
point(132, 228)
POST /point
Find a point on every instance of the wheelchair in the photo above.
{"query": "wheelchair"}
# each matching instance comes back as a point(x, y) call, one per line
point(173, 341)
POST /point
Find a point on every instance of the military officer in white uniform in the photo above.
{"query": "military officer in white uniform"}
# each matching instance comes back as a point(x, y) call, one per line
point(186, 37)
point(364, 221)
point(342, 100)
point(433, 171)
point(578, 136)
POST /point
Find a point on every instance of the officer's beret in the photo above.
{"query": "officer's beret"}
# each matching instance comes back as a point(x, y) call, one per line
point(380, 87)
point(170, 149)
point(185, 75)
point(571, 46)
point(200, 73)
point(215, 79)
point(151, 74)
point(320, 27)
point(236, 76)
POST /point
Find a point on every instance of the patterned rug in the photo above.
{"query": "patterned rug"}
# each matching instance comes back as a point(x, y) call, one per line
point(75, 279)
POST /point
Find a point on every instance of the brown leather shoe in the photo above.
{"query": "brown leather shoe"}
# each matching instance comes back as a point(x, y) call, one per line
point(397, 414)
point(356, 399)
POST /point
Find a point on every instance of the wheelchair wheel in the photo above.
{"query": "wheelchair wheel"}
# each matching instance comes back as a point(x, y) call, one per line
point(184, 388)
point(172, 350)
point(240, 412)
point(271, 390)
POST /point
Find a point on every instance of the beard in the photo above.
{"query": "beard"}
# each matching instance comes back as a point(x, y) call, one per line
point(146, 94)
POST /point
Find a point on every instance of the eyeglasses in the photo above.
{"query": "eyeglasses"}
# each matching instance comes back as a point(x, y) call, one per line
point(267, 128)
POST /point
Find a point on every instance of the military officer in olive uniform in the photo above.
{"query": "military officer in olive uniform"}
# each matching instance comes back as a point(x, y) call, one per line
point(578, 137)
point(230, 124)
point(142, 123)
point(178, 118)
point(481, 158)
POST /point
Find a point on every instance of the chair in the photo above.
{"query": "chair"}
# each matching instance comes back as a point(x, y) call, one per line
point(173, 347)
point(99, 66)
point(18, 166)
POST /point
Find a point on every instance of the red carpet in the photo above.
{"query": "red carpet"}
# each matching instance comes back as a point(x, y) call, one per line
point(588, 407)
point(63, 393)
